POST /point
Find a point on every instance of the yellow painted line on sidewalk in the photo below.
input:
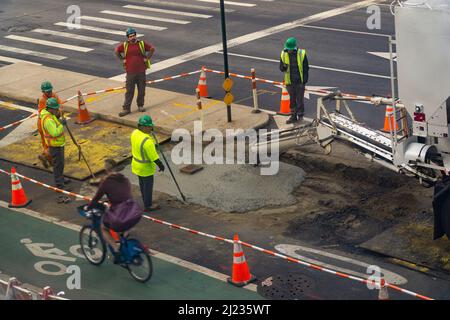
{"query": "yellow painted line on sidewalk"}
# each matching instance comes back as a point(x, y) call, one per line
point(100, 96)
point(188, 113)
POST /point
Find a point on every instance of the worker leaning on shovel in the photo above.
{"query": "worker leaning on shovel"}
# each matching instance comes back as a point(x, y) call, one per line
point(47, 92)
point(144, 159)
point(53, 130)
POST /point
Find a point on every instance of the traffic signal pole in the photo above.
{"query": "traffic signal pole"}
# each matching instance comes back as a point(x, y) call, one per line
point(225, 50)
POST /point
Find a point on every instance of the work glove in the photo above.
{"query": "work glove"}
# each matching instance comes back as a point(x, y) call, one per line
point(63, 121)
point(161, 167)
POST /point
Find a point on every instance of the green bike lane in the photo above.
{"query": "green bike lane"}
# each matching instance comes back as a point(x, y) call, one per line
point(41, 252)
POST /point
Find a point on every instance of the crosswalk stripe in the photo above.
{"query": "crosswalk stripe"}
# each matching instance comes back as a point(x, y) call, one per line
point(124, 23)
point(140, 16)
point(180, 13)
point(85, 27)
point(49, 43)
point(32, 53)
point(231, 3)
point(14, 60)
point(183, 5)
point(74, 36)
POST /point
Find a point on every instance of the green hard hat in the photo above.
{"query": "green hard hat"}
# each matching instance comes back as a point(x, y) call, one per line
point(130, 31)
point(46, 86)
point(145, 121)
point(52, 103)
point(290, 44)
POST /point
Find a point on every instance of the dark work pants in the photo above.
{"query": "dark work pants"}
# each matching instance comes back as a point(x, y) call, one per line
point(296, 94)
point(146, 185)
point(57, 154)
point(134, 79)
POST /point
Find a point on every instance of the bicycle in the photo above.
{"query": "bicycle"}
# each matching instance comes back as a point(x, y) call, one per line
point(134, 255)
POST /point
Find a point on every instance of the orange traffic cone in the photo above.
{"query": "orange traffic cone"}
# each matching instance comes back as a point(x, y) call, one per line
point(83, 114)
point(202, 84)
point(241, 275)
point(19, 199)
point(389, 120)
point(383, 293)
point(285, 104)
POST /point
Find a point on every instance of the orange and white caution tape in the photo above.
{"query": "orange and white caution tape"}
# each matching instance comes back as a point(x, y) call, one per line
point(321, 91)
point(18, 122)
point(174, 77)
point(269, 252)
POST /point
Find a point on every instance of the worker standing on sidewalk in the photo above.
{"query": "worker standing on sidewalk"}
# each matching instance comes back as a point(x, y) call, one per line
point(47, 92)
point(135, 56)
point(53, 130)
point(144, 159)
point(294, 64)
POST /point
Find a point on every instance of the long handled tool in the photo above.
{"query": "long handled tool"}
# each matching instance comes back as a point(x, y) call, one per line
point(168, 167)
point(80, 153)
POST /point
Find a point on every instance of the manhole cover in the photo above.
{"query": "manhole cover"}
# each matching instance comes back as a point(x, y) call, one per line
point(290, 286)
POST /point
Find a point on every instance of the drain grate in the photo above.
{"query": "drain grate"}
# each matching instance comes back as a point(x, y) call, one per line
point(290, 286)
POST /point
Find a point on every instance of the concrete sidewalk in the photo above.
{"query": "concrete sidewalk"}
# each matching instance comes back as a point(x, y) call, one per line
point(169, 110)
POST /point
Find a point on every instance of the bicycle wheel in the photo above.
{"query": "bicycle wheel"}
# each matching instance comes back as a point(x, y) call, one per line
point(140, 267)
point(92, 245)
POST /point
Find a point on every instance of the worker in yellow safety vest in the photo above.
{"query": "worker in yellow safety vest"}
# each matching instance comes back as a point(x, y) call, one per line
point(135, 56)
point(47, 92)
point(294, 64)
point(145, 159)
point(53, 129)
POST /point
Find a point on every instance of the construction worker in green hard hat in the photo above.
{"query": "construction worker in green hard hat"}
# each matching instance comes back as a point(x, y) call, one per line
point(135, 57)
point(53, 130)
point(47, 92)
point(145, 159)
point(294, 64)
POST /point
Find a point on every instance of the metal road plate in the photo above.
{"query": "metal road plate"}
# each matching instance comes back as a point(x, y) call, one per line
point(98, 140)
point(227, 84)
point(228, 99)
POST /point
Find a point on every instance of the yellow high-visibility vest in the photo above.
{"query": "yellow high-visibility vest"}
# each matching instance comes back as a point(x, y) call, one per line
point(53, 132)
point(141, 47)
point(144, 154)
point(285, 59)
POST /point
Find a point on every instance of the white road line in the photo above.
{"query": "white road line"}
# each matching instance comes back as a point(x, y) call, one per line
point(230, 3)
point(345, 30)
point(16, 106)
point(180, 13)
point(14, 60)
point(189, 6)
point(175, 260)
point(384, 55)
point(312, 66)
point(140, 16)
point(49, 43)
point(124, 23)
point(254, 36)
point(74, 36)
point(32, 53)
point(85, 27)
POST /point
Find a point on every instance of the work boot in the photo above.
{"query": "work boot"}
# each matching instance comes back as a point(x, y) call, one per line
point(67, 181)
point(124, 113)
point(43, 160)
point(141, 109)
point(291, 119)
point(300, 117)
point(153, 207)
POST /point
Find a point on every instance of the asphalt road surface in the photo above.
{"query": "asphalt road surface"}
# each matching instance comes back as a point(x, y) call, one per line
point(334, 33)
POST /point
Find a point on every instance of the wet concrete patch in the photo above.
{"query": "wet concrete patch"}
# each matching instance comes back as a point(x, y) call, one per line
point(349, 225)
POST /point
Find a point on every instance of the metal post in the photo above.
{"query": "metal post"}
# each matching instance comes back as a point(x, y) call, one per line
point(255, 93)
point(394, 100)
point(225, 50)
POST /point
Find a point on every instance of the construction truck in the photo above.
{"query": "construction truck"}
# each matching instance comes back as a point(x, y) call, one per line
point(418, 111)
